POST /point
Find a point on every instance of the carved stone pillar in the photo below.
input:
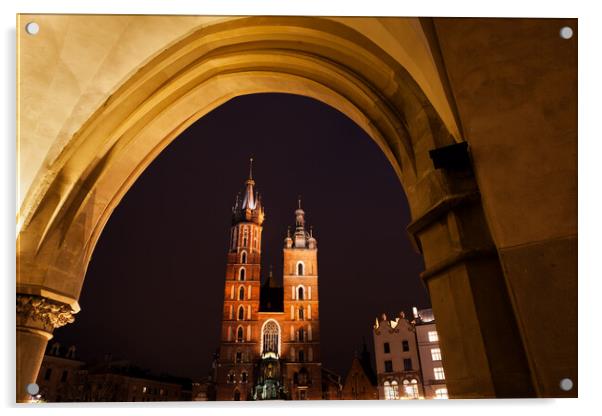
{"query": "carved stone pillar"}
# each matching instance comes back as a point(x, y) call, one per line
point(483, 353)
point(37, 317)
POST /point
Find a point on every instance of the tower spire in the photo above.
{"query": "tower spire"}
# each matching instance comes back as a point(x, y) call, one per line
point(251, 168)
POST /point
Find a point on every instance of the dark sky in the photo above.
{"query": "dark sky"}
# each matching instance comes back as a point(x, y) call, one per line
point(154, 288)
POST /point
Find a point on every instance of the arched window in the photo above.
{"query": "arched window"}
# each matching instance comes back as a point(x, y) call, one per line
point(241, 273)
point(301, 334)
point(301, 313)
point(239, 335)
point(391, 390)
point(241, 313)
point(271, 337)
point(300, 268)
point(300, 294)
point(243, 257)
point(411, 388)
point(241, 293)
point(245, 237)
point(301, 356)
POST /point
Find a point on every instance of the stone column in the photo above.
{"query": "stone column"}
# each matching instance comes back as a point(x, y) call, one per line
point(37, 317)
point(482, 350)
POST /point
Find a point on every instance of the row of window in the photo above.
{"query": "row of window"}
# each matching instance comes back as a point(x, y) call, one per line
point(245, 237)
point(231, 378)
point(405, 346)
point(48, 374)
point(242, 271)
point(410, 389)
point(407, 365)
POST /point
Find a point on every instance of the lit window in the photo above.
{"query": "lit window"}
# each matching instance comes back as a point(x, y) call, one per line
point(436, 354)
point(405, 346)
point(391, 390)
point(411, 388)
point(433, 336)
point(388, 366)
point(387, 347)
point(441, 394)
point(439, 374)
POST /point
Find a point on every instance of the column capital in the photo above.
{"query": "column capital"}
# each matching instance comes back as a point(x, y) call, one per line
point(37, 312)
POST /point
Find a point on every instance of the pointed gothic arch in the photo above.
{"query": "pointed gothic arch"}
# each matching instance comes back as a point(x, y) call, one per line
point(88, 172)
point(271, 337)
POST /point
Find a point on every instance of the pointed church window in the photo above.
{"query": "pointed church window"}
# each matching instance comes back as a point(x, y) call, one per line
point(300, 269)
point(241, 313)
point(241, 293)
point(239, 335)
point(271, 337)
point(300, 293)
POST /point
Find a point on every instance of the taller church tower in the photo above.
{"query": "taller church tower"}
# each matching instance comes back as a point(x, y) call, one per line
point(241, 296)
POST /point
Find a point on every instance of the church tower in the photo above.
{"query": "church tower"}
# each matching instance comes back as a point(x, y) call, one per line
point(241, 296)
point(300, 281)
point(270, 335)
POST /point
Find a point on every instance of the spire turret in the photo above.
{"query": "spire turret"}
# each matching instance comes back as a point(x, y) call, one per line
point(250, 209)
point(301, 238)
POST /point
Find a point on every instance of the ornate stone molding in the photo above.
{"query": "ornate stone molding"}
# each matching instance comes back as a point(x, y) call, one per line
point(43, 313)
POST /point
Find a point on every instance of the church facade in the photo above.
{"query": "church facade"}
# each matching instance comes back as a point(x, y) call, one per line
point(270, 332)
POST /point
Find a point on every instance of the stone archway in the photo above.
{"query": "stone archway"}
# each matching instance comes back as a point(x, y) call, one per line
point(318, 58)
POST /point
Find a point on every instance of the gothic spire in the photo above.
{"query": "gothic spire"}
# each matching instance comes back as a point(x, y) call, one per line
point(249, 207)
point(249, 201)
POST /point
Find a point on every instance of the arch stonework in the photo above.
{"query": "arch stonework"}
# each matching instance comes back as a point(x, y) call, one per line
point(70, 200)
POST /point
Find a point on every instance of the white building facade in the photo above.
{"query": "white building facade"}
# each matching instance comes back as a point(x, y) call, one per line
point(408, 357)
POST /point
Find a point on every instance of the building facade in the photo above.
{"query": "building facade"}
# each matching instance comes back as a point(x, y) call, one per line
point(431, 364)
point(408, 357)
point(63, 378)
point(397, 362)
point(270, 333)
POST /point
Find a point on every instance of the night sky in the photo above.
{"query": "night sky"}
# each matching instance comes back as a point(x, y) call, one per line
point(153, 291)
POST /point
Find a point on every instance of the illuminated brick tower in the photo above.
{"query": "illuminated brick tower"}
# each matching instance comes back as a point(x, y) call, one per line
point(270, 344)
point(239, 333)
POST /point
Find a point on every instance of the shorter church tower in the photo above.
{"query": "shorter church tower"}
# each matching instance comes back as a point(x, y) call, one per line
point(300, 281)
